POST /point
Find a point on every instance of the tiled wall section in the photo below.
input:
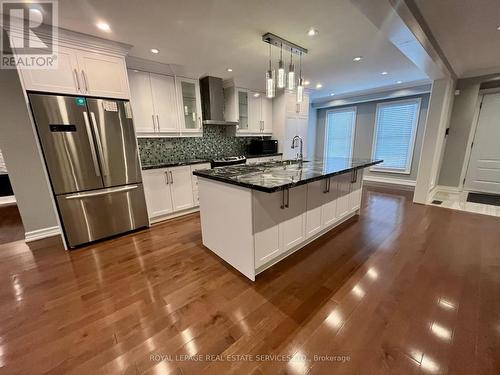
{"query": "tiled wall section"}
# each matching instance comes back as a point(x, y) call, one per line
point(214, 143)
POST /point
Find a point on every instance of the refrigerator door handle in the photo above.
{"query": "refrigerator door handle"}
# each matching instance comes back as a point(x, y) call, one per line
point(104, 165)
point(92, 146)
point(106, 192)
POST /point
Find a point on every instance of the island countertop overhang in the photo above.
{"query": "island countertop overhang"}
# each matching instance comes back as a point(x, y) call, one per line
point(276, 176)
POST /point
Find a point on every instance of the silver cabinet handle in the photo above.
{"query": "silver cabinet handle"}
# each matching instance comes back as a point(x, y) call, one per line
point(158, 122)
point(85, 81)
point(93, 152)
point(171, 178)
point(77, 80)
point(104, 165)
point(166, 177)
point(120, 189)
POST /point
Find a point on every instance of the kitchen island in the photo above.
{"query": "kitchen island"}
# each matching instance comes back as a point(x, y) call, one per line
point(253, 216)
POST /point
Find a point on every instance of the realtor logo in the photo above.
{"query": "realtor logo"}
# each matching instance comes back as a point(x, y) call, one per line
point(29, 32)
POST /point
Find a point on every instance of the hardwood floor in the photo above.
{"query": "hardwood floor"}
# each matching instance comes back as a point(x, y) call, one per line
point(403, 289)
point(11, 226)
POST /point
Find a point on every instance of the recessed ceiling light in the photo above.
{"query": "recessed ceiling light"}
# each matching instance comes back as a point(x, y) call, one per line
point(498, 28)
point(384, 73)
point(256, 95)
point(155, 50)
point(399, 82)
point(357, 58)
point(332, 94)
point(312, 32)
point(103, 26)
point(229, 69)
point(306, 83)
point(319, 85)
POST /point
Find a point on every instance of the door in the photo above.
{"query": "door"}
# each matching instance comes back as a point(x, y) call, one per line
point(67, 142)
point(141, 99)
point(267, 115)
point(157, 192)
point(188, 96)
point(115, 139)
point(182, 189)
point(165, 103)
point(63, 80)
point(254, 112)
point(90, 216)
point(294, 223)
point(103, 75)
point(483, 173)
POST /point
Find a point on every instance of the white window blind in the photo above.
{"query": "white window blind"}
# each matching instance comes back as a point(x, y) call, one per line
point(339, 130)
point(394, 138)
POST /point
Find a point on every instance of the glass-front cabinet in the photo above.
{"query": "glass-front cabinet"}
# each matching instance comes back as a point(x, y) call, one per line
point(243, 110)
point(189, 100)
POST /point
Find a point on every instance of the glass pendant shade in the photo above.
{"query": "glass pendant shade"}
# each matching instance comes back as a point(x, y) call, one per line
point(270, 91)
point(300, 92)
point(281, 75)
point(291, 77)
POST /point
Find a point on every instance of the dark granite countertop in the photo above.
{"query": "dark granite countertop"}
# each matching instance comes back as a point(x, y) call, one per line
point(275, 176)
point(178, 163)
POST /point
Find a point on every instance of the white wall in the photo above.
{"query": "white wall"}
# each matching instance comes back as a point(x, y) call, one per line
point(22, 157)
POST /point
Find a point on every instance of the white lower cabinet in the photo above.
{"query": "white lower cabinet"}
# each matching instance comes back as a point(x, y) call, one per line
point(170, 190)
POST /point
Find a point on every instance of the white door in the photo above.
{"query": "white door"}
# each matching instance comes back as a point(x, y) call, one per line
point(63, 80)
point(329, 213)
point(103, 75)
point(315, 195)
point(293, 227)
point(182, 188)
point(254, 112)
point(267, 114)
point(165, 102)
point(483, 173)
point(343, 190)
point(268, 215)
point(157, 192)
point(141, 99)
point(188, 97)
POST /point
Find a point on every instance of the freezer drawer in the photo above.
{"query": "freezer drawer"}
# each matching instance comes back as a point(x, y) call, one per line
point(97, 214)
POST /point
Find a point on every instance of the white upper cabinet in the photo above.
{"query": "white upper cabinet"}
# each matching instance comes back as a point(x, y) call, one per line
point(141, 99)
point(103, 75)
point(165, 103)
point(81, 72)
point(255, 112)
point(243, 111)
point(188, 96)
point(267, 115)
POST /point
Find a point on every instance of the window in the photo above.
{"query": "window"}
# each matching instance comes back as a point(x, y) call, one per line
point(339, 132)
point(394, 138)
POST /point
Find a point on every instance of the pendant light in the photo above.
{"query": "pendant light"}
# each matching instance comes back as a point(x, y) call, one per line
point(291, 73)
point(300, 87)
point(281, 71)
point(270, 79)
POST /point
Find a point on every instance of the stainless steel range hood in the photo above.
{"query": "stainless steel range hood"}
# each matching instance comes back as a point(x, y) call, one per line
point(212, 101)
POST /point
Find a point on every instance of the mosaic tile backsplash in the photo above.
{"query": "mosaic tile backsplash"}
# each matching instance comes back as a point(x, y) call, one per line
point(213, 144)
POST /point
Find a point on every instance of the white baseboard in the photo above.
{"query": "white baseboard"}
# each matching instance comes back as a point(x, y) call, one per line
point(40, 234)
point(7, 201)
point(408, 184)
point(157, 219)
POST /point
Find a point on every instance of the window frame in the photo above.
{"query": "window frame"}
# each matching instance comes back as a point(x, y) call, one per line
point(411, 148)
point(353, 130)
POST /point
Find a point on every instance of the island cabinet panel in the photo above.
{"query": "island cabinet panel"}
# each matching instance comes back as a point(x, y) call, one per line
point(315, 202)
point(343, 196)
point(355, 192)
point(329, 213)
point(294, 224)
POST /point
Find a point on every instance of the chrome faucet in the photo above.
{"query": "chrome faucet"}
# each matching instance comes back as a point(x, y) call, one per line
point(299, 155)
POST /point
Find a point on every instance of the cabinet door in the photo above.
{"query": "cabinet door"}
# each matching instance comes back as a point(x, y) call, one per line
point(329, 213)
point(157, 192)
point(182, 188)
point(103, 75)
point(315, 195)
point(343, 190)
point(141, 99)
point(268, 215)
point(267, 114)
point(188, 96)
point(293, 226)
point(255, 112)
point(304, 107)
point(63, 80)
point(356, 190)
point(243, 110)
point(165, 103)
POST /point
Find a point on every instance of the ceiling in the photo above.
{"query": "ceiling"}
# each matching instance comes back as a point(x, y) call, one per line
point(200, 37)
point(466, 31)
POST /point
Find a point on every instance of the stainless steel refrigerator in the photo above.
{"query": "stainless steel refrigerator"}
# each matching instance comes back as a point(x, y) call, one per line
point(90, 150)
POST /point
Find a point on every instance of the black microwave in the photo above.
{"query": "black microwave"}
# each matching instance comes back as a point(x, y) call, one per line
point(263, 146)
